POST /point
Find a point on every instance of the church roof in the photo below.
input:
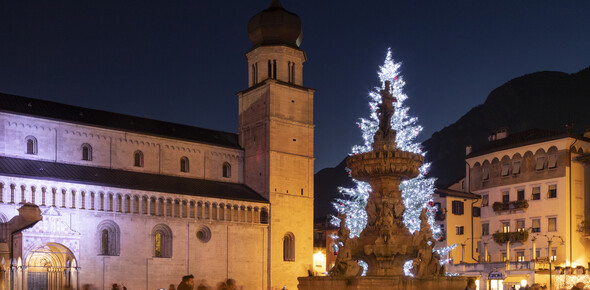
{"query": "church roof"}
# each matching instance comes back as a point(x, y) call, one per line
point(68, 113)
point(126, 179)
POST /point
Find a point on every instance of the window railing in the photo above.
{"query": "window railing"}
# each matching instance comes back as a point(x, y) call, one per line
point(513, 237)
point(516, 204)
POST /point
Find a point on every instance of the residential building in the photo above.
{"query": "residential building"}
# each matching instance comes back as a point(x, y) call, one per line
point(534, 187)
point(458, 216)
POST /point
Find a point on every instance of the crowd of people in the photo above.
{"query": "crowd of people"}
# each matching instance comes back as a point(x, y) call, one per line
point(188, 283)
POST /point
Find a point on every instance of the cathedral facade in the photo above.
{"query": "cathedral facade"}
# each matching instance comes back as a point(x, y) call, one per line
point(93, 197)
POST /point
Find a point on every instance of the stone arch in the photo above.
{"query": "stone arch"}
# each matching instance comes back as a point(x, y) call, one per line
point(264, 215)
point(528, 161)
point(162, 241)
point(108, 238)
point(50, 266)
point(3, 228)
point(161, 206)
point(207, 210)
point(289, 247)
point(256, 215)
point(31, 145)
point(214, 211)
point(249, 213)
point(242, 213)
point(221, 211)
point(192, 210)
point(540, 159)
point(127, 203)
point(153, 205)
point(119, 203)
point(176, 208)
point(199, 210)
point(169, 207)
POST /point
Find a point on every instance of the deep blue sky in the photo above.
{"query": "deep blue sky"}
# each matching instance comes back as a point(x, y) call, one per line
point(183, 61)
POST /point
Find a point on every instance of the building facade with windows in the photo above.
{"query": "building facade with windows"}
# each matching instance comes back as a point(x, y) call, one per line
point(93, 197)
point(534, 191)
point(458, 216)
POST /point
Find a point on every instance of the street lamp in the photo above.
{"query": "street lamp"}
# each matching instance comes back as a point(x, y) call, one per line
point(549, 241)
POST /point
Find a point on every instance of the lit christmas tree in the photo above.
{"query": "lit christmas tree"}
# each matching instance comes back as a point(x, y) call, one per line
point(416, 192)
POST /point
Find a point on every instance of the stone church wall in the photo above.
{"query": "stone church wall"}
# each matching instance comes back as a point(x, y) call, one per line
point(62, 142)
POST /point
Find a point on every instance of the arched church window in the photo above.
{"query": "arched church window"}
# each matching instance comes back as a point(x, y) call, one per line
point(226, 170)
point(105, 243)
point(109, 238)
point(138, 159)
point(184, 164)
point(289, 247)
point(264, 216)
point(162, 237)
point(31, 145)
point(86, 152)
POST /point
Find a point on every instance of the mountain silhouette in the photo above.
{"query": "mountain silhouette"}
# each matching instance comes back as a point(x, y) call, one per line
point(546, 100)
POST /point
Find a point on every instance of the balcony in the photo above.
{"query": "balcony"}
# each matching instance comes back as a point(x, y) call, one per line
point(512, 237)
point(511, 205)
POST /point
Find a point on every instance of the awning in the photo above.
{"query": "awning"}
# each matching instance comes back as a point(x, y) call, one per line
point(514, 279)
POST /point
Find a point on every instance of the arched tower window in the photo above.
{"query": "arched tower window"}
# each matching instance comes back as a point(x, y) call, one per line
point(162, 237)
point(289, 247)
point(226, 170)
point(86, 152)
point(109, 238)
point(184, 166)
point(31, 145)
point(138, 159)
point(264, 216)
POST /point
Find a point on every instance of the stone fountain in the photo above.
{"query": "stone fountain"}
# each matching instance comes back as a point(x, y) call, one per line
point(386, 243)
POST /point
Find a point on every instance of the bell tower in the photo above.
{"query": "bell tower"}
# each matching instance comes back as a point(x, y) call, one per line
point(276, 132)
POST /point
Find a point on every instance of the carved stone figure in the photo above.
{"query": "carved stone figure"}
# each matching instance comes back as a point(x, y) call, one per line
point(385, 111)
point(344, 265)
point(427, 263)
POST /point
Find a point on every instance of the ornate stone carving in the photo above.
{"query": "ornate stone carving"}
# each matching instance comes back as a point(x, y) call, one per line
point(344, 265)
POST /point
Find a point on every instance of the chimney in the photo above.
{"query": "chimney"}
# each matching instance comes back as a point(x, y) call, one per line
point(492, 137)
point(587, 133)
point(468, 149)
point(501, 133)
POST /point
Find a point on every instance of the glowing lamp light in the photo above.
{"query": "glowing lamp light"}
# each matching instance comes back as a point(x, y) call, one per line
point(523, 282)
point(319, 262)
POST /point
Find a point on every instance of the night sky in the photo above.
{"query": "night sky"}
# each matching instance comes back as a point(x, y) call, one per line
point(183, 61)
